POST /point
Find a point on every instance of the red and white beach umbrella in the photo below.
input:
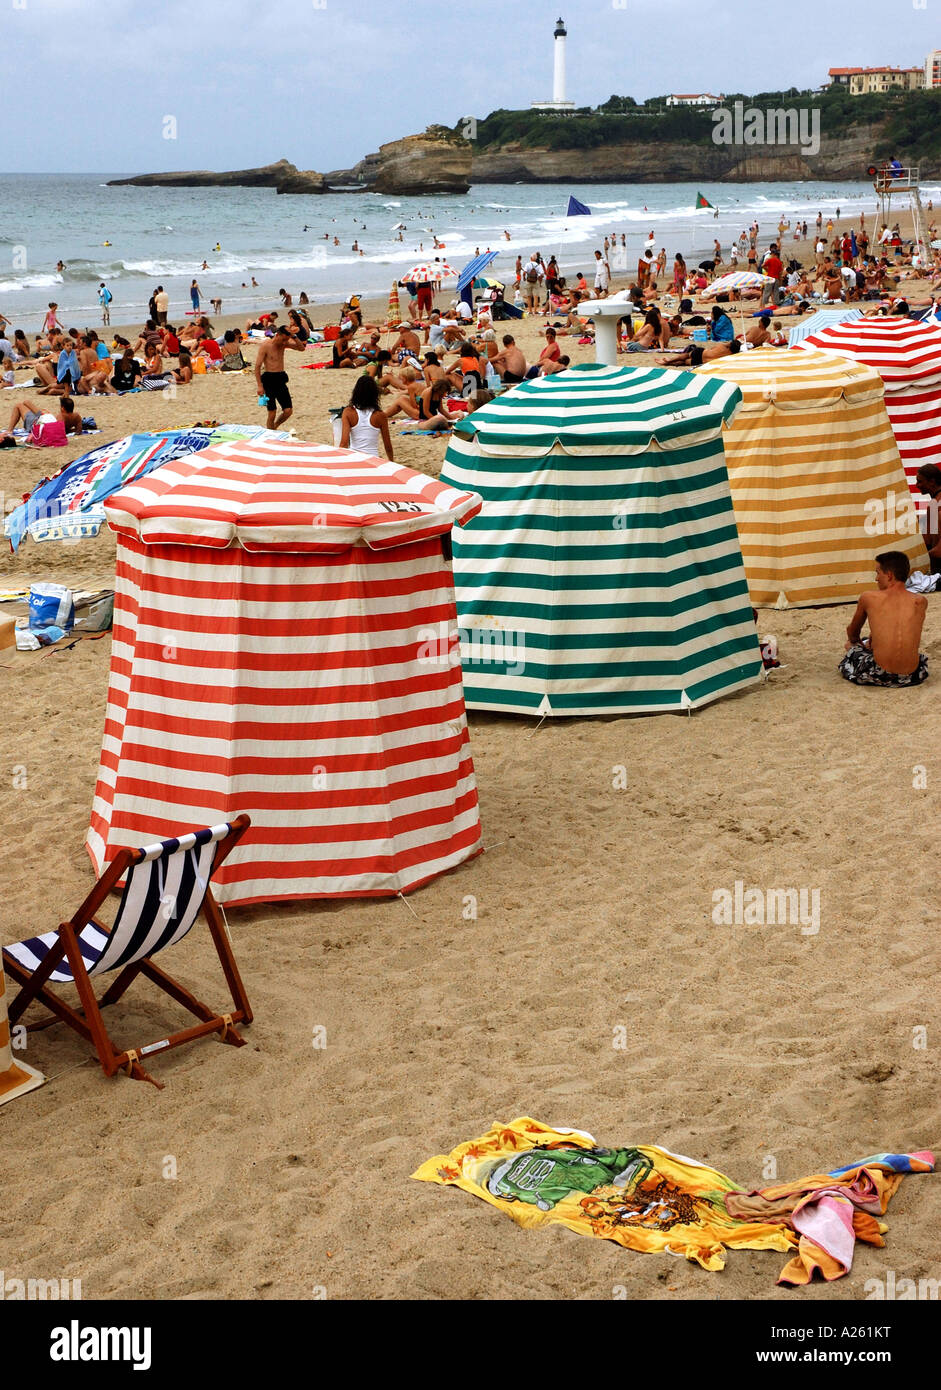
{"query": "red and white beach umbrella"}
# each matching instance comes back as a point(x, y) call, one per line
point(284, 616)
point(426, 272)
point(907, 355)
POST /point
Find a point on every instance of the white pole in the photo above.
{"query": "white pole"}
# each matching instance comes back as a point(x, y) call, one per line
point(606, 339)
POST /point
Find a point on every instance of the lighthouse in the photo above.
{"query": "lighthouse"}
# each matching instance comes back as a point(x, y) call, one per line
point(558, 67)
point(558, 105)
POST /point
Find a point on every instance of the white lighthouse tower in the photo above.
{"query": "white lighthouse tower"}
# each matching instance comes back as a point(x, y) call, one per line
point(558, 69)
point(558, 103)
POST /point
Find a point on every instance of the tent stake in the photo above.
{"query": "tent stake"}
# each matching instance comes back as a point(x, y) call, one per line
point(409, 906)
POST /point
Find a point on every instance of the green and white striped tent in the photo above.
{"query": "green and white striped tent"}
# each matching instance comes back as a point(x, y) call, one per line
point(603, 574)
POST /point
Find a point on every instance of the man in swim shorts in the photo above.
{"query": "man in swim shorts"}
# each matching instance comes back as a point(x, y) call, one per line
point(270, 376)
point(890, 656)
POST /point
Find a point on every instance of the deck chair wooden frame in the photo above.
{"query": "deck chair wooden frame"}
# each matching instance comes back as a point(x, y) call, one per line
point(143, 935)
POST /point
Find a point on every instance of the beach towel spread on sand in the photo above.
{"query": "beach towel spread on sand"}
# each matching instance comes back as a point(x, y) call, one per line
point(649, 1199)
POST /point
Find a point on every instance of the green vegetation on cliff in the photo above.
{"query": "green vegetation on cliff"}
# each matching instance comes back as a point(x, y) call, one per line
point(909, 122)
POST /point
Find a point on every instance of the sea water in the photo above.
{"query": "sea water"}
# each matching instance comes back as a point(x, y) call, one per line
point(137, 238)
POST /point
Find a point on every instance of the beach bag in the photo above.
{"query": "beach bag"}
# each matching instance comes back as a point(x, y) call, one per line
point(199, 366)
point(234, 363)
point(94, 612)
point(331, 333)
point(50, 605)
point(47, 433)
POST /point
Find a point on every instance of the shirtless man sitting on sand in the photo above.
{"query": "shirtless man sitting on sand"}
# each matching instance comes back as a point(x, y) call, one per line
point(890, 655)
point(510, 364)
point(407, 346)
point(270, 376)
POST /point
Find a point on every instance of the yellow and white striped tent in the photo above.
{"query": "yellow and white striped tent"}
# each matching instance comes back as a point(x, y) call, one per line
point(817, 483)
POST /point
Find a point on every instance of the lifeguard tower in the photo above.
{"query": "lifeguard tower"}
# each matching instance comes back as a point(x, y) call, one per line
point(899, 181)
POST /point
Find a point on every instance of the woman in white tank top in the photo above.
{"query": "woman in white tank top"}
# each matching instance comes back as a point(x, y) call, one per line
point(362, 423)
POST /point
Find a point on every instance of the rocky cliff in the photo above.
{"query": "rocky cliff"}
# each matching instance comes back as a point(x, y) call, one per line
point(362, 175)
point(658, 162)
point(283, 176)
point(436, 161)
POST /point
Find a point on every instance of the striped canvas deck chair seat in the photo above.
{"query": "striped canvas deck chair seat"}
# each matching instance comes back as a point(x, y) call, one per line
point(166, 885)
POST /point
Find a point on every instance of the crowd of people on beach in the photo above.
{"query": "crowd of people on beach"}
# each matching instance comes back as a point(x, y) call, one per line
point(439, 364)
point(436, 356)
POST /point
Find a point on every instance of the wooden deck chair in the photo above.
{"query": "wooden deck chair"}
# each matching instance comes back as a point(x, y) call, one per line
point(166, 885)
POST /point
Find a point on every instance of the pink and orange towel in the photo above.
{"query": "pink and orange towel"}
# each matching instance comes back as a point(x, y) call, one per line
point(829, 1212)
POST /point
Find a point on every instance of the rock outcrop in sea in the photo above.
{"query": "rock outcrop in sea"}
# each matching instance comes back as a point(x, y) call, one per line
point(437, 161)
point(283, 176)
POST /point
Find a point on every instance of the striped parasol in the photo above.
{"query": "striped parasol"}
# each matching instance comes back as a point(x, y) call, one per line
point(395, 313)
point(907, 355)
point(426, 272)
point(603, 574)
point(283, 626)
point(811, 458)
point(737, 280)
point(822, 318)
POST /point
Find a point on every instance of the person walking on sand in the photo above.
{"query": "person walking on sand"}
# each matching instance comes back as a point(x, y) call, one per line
point(890, 655)
point(50, 323)
point(602, 275)
point(270, 376)
point(195, 293)
point(104, 299)
point(532, 277)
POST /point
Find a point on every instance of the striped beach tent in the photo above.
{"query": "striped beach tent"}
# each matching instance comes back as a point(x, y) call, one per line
point(284, 646)
point(816, 478)
point(907, 355)
point(603, 574)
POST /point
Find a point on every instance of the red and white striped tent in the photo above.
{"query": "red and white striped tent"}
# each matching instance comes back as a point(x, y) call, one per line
point(907, 355)
point(275, 606)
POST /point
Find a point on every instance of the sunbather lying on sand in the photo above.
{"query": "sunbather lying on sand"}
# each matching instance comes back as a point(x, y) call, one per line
point(698, 353)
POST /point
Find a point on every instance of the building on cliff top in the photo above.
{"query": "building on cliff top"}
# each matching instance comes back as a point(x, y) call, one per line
point(862, 81)
point(693, 99)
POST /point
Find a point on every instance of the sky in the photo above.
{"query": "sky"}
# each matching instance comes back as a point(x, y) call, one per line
point(323, 82)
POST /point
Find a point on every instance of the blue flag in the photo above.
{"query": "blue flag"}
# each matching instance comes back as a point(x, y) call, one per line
point(577, 209)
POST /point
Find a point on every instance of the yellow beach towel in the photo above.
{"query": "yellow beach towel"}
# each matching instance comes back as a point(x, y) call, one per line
point(643, 1197)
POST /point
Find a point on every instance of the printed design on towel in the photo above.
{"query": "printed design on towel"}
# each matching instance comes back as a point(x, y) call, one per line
point(652, 1200)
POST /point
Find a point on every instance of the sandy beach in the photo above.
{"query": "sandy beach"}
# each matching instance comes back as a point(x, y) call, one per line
point(594, 905)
